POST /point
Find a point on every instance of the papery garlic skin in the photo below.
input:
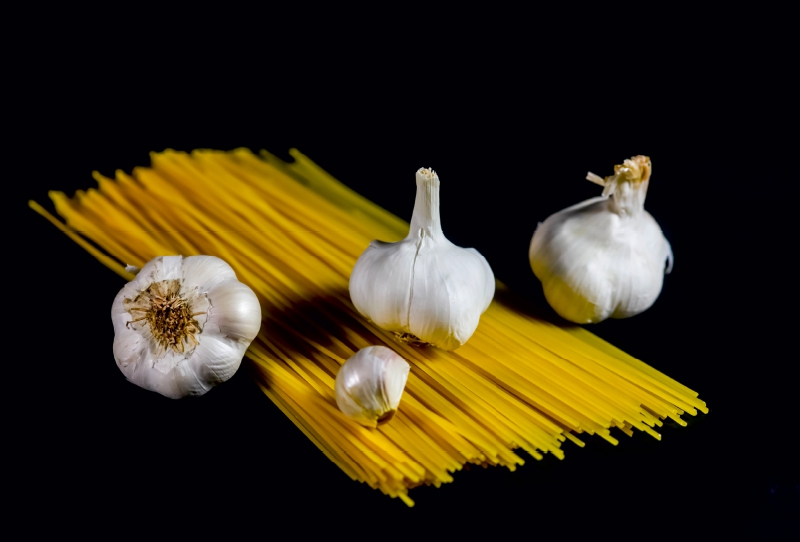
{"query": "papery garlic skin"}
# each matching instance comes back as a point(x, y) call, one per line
point(604, 257)
point(424, 285)
point(370, 384)
point(182, 325)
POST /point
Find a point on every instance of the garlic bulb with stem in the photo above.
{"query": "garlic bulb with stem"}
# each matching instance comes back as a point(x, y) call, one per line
point(182, 325)
point(370, 384)
point(604, 257)
point(424, 288)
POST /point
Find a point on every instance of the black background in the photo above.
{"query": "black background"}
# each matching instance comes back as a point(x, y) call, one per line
point(512, 143)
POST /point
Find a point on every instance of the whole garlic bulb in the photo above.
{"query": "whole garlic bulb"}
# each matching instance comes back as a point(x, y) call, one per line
point(424, 287)
point(182, 325)
point(604, 257)
point(370, 384)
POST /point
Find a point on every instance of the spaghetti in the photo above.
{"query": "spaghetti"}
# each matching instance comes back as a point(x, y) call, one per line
point(293, 233)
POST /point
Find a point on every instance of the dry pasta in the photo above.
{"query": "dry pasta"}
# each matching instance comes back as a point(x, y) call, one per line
point(293, 233)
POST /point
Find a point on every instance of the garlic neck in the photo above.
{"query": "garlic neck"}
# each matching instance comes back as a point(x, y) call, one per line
point(627, 186)
point(425, 219)
point(628, 198)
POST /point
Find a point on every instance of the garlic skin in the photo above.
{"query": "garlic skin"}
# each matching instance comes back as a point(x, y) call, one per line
point(370, 384)
point(424, 287)
point(604, 257)
point(182, 325)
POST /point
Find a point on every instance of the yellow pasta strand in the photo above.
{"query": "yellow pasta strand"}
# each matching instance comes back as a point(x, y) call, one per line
point(293, 233)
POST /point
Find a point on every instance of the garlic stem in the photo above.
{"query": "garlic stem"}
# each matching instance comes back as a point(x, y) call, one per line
point(595, 178)
point(628, 199)
point(425, 217)
point(628, 185)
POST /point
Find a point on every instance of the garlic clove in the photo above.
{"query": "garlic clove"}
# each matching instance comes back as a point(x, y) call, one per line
point(424, 286)
point(370, 384)
point(236, 312)
point(488, 286)
point(206, 272)
point(604, 257)
point(380, 283)
point(183, 324)
point(450, 288)
point(129, 348)
point(216, 358)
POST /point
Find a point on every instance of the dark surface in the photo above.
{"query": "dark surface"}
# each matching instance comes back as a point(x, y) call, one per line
point(102, 447)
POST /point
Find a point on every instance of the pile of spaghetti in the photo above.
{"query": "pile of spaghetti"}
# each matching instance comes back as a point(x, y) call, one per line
point(293, 233)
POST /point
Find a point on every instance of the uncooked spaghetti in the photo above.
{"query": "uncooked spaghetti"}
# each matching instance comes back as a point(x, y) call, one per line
point(292, 233)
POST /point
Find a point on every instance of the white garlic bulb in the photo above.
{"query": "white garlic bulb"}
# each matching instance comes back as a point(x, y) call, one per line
point(424, 288)
point(370, 384)
point(604, 257)
point(182, 325)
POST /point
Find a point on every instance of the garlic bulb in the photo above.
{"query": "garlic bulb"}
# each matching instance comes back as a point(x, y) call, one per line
point(604, 257)
point(183, 324)
point(370, 384)
point(424, 288)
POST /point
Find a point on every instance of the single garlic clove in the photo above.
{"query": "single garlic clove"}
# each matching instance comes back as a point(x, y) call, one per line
point(423, 286)
point(604, 257)
point(183, 324)
point(370, 384)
